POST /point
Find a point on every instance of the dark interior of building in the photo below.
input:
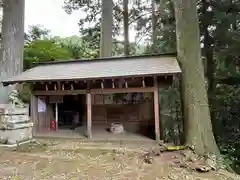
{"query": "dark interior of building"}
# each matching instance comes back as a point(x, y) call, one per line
point(70, 112)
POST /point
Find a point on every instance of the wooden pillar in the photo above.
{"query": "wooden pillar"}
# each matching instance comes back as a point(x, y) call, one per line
point(56, 115)
point(89, 115)
point(33, 113)
point(156, 110)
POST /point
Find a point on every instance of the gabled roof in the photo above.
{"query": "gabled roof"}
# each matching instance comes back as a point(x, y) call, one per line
point(113, 67)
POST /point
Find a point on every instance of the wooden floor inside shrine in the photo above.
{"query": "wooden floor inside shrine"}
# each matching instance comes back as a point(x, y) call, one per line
point(98, 133)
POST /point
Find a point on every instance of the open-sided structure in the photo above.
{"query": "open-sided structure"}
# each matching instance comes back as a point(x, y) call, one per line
point(103, 91)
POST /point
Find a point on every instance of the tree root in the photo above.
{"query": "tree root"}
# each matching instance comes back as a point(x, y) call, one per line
point(186, 158)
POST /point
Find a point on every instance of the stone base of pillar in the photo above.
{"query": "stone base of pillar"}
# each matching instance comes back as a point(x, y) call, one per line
point(15, 124)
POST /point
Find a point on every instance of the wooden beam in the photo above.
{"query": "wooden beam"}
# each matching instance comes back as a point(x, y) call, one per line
point(89, 115)
point(56, 115)
point(94, 91)
point(156, 110)
point(58, 85)
point(126, 84)
point(143, 83)
point(59, 92)
point(33, 112)
point(113, 83)
point(121, 90)
point(120, 83)
point(102, 85)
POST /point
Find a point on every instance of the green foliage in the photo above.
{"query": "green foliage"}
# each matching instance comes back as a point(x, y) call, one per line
point(170, 115)
point(25, 93)
point(40, 47)
point(43, 50)
point(37, 32)
point(78, 47)
point(89, 26)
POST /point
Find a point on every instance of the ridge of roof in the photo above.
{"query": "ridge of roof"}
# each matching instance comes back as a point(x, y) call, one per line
point(174, 54)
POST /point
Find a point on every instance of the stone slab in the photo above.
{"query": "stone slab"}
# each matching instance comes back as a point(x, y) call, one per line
point(16, 135)
point(15, 118)
point(12, 126)
point(9, 109)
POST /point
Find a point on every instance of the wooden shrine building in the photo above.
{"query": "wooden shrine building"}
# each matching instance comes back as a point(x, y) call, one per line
point(104, 91)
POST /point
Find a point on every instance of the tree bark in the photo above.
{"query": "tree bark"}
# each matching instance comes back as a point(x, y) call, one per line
point(106, 28)
point(154, 26)
point(12, 45)
point(197, 121)
point(208, 53)
point(126, 27)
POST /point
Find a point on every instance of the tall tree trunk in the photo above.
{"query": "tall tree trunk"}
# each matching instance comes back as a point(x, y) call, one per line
point(208, 53)
point(106, 28)
point(12, 45)
point(197, 122)
point(154, 26)
point(126, 27)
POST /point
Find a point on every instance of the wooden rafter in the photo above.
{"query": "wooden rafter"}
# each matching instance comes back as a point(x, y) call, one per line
point(121, 85)
point(113, 83)
point(58, 85)
point(143, 83)
point(102, 84)
point(126, 83)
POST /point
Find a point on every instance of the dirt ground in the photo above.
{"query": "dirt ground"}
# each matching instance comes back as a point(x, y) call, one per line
point(72, 160)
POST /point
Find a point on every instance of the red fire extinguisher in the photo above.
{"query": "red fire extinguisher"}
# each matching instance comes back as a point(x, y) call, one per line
point(53, 125)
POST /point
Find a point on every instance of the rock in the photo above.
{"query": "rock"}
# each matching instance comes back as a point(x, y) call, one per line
point(211, 161)
point(116, 128)
point(156, 152)
point(202, 168)
point(148, 158)
point(190, 155)
point(180, 164)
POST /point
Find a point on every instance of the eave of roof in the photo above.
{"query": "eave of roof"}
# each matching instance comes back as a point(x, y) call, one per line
point(99, 68)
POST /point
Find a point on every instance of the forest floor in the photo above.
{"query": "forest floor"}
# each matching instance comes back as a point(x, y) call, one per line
point(72, 160)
